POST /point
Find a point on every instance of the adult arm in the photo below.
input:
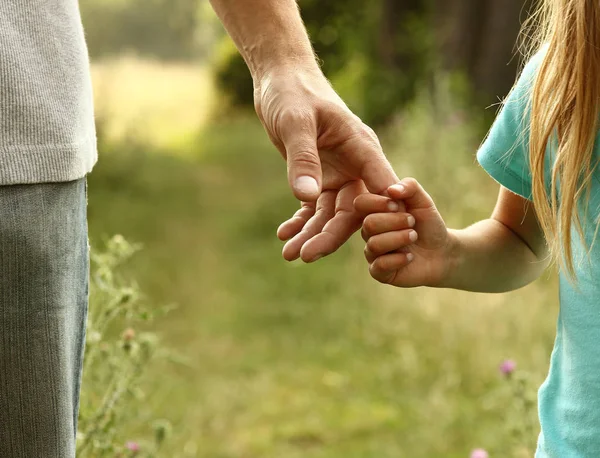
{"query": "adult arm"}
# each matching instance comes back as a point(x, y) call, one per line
point(332, 155)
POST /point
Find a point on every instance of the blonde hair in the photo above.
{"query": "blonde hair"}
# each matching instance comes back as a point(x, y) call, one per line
point(564, 107)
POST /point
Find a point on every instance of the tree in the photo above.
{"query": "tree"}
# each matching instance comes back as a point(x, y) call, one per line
point(478, 38)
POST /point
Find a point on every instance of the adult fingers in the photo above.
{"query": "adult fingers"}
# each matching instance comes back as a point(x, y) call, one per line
point(292, 226)
point(376, 171)
point(371, 203)
point(325, 210)
point(339, 229)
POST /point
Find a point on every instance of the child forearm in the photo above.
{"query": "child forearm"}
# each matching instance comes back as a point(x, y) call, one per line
point(490, 257)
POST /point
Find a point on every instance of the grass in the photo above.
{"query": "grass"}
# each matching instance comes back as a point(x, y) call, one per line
point(319, 361)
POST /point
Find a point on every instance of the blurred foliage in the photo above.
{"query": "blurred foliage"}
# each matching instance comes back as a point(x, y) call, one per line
point(378, 54)
point(112, 398)
point(166, 29)
point(350, 37)
point(232, 76)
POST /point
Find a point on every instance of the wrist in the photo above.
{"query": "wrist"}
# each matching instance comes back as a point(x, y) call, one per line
point(287, 67)
point(451, 257)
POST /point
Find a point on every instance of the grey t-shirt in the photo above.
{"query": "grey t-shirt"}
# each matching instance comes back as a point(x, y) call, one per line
point(47, 129)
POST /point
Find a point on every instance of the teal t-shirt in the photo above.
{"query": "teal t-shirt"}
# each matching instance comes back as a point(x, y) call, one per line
point(569, 399)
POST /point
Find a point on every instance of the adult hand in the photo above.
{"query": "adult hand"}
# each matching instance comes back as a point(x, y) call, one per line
point(332, 157)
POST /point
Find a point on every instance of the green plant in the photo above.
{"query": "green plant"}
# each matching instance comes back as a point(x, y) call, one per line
point(515, 399)
point(114, 362)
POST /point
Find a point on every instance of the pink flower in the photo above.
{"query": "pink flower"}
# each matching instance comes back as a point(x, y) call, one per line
point(132, 446)
point(507, 367)
point(479, 453)
point(128, 334)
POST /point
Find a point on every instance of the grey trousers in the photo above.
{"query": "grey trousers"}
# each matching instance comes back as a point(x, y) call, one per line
point(43, 308)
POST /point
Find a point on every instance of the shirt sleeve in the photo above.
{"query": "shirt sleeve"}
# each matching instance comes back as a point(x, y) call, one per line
point(504, 154)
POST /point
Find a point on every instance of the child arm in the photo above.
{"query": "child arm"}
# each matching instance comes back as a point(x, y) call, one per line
point(502, 253)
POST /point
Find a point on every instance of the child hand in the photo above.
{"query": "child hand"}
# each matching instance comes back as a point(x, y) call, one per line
point(404, 249)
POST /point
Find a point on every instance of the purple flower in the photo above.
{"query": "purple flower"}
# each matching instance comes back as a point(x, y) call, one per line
point(479, 453)
point(507, 367)
point(132, 446)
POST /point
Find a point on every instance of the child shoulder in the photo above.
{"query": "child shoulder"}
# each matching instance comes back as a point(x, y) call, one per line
point(533, 64)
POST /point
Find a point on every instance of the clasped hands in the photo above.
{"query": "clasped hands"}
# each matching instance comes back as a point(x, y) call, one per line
point(337, 169)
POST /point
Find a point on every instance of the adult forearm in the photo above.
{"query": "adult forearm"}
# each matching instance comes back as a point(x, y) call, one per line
point(268, 33)
point(489, 257)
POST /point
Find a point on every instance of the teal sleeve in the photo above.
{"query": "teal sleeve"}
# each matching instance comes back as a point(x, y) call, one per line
point(504, 154)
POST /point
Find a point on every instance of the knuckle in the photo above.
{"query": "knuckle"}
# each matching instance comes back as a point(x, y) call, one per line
point(382, 264)
point(364, 234)
point(373, 245)
point(403, 220)
point(292, 116)
point(373, 269)
point(371, 133)
point(410, 182)
point(334, 111)
point(359, 201)
point(367, 137)
point(375, 272)
point(304, 157)
point(369, 225)
point(358, 132)
point(258, 108)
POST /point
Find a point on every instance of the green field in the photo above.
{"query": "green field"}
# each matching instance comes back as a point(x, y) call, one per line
point(291, 360)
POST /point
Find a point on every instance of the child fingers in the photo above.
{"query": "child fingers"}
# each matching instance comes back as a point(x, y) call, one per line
point(370, 257)
point(378, 223)
point(384, 268)
point(372, 203)
point(411, 192)
point(390, 241)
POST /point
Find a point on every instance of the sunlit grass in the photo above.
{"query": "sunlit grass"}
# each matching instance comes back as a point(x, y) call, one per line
point(162, 104)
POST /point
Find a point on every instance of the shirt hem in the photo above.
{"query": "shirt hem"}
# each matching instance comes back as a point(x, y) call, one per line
point(503, 175)
point(34, 164)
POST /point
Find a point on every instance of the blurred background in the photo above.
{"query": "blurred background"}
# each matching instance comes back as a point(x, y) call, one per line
point(275, 359)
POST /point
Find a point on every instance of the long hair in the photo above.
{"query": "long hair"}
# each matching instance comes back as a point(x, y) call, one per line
point(564, 109)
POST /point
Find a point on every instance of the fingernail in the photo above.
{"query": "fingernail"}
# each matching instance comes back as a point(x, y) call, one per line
point(410, 220)
point(316, 258)
point(410, 257)
point(393, 206)
point(413, 236)
point(398, 187)
point(306, 185)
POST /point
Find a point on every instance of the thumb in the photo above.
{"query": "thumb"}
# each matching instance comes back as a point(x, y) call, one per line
point(303, 163)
